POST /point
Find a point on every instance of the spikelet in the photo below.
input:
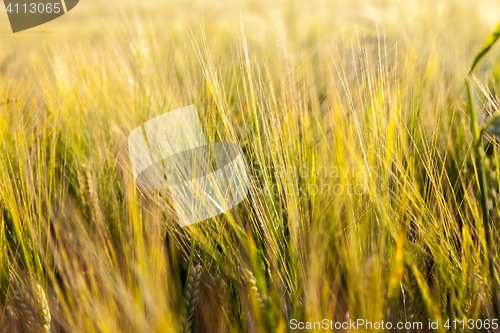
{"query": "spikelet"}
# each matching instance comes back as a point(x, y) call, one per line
point(191, 295)
point(32, 309)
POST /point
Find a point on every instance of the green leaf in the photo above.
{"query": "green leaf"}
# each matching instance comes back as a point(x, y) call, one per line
point(487, 46)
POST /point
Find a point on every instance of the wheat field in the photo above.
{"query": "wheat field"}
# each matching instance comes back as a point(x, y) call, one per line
point(371, 194)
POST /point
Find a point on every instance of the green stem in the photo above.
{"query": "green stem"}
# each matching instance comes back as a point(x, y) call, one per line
point(481, 174)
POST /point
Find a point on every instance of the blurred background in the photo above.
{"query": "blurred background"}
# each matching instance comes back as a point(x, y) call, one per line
point(353, 85)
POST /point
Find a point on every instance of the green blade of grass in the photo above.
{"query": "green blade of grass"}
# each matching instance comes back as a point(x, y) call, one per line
point(487, 46)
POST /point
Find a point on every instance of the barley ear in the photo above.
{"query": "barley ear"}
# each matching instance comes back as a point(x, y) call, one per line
point(8, 323)
point(32, 308)
point(222, 296)
point(252, 284)
point(191, 295)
